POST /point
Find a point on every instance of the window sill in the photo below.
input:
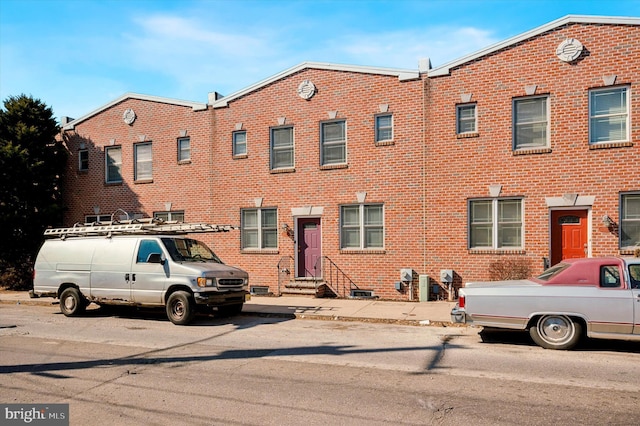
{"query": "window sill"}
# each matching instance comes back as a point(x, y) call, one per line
point(118, 183)
point(284, 170)
point(181, 162)
point(142, 181)
point(385, 143)
point(607, 145)
point(629, 251)
point(83, 172)
point(497, 251)
point(334, 166)
point(468, 135)
point(259, 251)
point(362, 251)
point(240, 156)
point(532, 151)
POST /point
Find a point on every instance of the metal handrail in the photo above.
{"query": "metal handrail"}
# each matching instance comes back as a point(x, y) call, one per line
point(334, 277)
point(284, 269)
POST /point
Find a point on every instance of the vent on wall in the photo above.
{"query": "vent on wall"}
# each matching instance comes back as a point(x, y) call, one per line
point(259, 290)
point(365, 294)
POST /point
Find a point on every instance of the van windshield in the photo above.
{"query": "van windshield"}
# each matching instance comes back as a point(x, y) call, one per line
point(188, 250)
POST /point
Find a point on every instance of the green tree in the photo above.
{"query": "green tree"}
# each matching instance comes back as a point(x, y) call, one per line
point(32, 163)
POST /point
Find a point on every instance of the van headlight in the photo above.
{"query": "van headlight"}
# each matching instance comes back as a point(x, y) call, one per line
point(206, 282)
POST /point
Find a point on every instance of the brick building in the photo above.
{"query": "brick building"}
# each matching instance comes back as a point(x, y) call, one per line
point(385, 180)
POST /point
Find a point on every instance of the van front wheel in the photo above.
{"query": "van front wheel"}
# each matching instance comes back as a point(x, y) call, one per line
point(72, 303)
point(180, 308)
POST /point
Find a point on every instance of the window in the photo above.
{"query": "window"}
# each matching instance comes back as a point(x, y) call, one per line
point(466, 118)
point(609, 276)
point(531, 123)
point(362, 226)
point(333, 143)
point(608, 115)
point(184, 149)
point(147, 248)
point(634, 275)
point(495, 224)
point(113, 170)
point(177, 216)
point(97, 218)
point(240, 143)
point(143, 166)
point(281, 147)
point(83, 160)
point(259, 228)
point(630, 221)
point(384, 128)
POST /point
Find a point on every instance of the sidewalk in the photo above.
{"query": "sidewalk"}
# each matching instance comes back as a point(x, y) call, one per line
point(366, 310)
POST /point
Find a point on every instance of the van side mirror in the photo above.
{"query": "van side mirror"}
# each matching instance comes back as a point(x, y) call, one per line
point(156, 258)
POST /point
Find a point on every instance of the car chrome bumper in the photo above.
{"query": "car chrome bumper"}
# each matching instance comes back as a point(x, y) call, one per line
point(458, 316)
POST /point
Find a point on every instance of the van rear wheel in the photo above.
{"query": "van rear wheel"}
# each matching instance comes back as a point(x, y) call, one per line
point(72, 303)
point(180, 308)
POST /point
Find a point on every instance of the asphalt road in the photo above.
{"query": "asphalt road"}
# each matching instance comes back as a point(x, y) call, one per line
point(135, 368)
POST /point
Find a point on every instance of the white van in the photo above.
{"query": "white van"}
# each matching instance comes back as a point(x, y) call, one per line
point(138, 264)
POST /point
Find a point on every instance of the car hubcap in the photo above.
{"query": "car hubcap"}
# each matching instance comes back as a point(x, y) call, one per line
point(178, 309)
point(556, 329)
point(69, 303)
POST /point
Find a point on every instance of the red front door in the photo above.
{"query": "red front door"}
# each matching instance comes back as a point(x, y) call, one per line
point(309, 248)
point(568, 235)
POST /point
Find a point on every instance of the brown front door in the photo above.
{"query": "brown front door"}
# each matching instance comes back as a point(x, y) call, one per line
point(309, 248)
point(568, 235)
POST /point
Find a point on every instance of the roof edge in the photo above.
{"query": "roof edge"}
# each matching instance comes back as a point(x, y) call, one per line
point(196, 106)
point(402, 74)
point(568, 19)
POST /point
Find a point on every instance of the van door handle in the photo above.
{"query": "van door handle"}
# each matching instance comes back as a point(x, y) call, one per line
point(126, 277)
point(133, 277)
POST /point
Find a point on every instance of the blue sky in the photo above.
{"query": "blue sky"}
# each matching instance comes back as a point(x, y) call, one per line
point(77, 55)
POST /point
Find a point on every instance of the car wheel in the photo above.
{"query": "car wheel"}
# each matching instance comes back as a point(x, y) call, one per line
point(180, 308)
point(556, 332)
point(72, 303)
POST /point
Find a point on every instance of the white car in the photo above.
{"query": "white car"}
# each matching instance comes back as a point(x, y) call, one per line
point(593, 297)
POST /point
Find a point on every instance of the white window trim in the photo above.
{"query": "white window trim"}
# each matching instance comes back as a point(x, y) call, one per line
point(622, 219)
point(475, 118)
point(258, 227)
point(98, 218)
point(106, 163)
point(234, 143)
point(627, 113)
point(179, 146)
point(169, 213)
point(494, 224)
point(80, 152)
point(377, 128)
point(272, 166)
point(514, 124)
point(135, 161)
point(362, 227)
point(323, 144)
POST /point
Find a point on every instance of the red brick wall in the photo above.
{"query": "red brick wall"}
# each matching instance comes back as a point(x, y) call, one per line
point(388, 174)
point(186, 186)
point(464, 168)
point(424, 179)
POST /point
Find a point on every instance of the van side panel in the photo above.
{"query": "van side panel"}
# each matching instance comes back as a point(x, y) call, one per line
point(149, 280)
point(110, 271)
point(60, 262)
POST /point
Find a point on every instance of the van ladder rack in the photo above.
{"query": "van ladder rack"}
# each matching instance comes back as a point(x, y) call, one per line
point(135, 227)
